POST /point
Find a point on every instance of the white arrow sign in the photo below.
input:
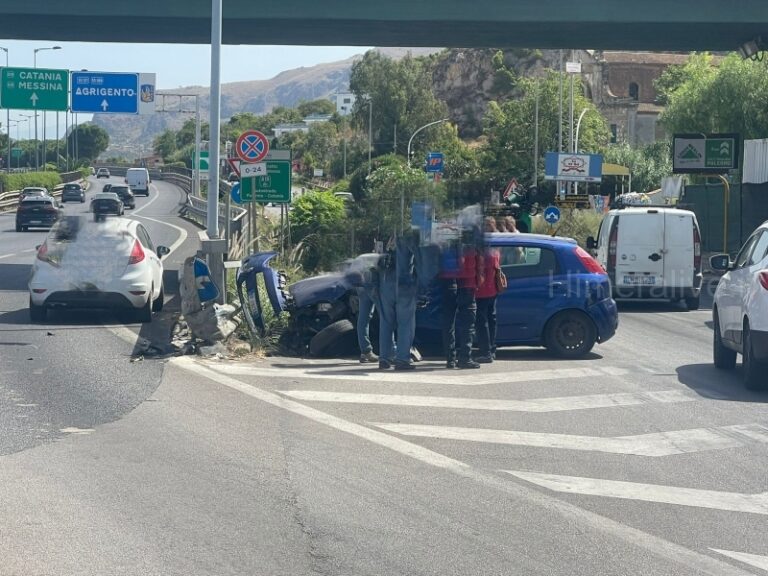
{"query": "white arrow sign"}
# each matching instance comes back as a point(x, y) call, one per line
point(253, 170)
point(104, 105)
point(34, 99)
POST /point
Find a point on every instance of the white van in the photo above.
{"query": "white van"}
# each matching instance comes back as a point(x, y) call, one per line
point(138, 180)
point(651, 252)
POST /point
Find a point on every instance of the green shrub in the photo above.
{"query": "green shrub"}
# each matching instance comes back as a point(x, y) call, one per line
point(9, 182)
point(576, 224)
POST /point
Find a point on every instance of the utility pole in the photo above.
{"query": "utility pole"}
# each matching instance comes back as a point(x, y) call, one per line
point(536, 137)
point(394, 147)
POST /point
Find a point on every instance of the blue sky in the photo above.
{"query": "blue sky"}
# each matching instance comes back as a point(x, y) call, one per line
point(176, 65)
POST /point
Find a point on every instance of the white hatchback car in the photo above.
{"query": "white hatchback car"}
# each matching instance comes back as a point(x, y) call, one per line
point(740, 310)
point(111, 264)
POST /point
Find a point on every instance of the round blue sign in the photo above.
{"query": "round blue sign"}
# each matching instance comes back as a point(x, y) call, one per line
point(235, 192)
point(552, 215)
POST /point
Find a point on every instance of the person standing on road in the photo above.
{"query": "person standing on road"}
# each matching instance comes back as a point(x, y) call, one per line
point(384, 296)
point(461, 274)
point(485, 324)
point(364, 315)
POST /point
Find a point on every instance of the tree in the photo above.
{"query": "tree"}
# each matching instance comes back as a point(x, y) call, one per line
point(164, 145)
point(509, 129)
point(647, 164)
point(322, 106)
point(401, 96)
point(318, 221)
point(92, 140)
point(701, 98)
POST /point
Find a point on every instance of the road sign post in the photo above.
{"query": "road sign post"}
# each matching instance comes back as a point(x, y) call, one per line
point(34, 89)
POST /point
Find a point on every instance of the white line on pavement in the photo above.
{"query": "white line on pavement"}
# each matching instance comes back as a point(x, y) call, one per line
point(752, 559)
point(712, 499)
point(557, 404)
point(630, 536)
point(654, 444)
point(357, 373)
point(182, 233)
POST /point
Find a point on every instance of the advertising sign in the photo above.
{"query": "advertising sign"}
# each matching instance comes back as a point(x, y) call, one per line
point(573, 167)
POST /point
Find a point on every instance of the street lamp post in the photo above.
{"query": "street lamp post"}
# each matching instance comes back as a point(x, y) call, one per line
point(410, 140)
point(576, 144)
point(8, 114)
point(37, 161)
point(29, 127)
point(370, 132)
point(408, 152)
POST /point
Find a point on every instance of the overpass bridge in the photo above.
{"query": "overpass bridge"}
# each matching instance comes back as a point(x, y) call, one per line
point(599, 24)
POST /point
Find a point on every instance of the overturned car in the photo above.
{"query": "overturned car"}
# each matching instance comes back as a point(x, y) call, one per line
point(558, 297)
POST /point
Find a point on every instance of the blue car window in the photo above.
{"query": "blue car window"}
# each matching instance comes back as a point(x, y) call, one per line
point(528, 262)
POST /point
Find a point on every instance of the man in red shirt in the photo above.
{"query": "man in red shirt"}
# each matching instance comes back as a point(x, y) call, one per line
point(486, 294)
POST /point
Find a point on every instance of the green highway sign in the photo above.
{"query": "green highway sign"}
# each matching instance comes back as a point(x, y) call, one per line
point(699, 153)
point(34, 89)
point(274, 187)
point(203, 161)
point(17, 152)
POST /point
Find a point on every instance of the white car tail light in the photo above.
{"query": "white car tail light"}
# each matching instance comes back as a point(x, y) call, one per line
point(763, 278)
point(137, 253)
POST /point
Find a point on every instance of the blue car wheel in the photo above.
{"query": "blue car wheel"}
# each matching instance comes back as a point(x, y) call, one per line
point(570, 334)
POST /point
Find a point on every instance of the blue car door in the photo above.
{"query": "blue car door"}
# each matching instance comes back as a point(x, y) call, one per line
point(534, 288)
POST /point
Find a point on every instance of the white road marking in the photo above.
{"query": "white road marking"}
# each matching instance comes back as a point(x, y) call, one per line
point(712, 499)
point(654, 444)
point(152, 187)
point(630, 536)
point(360, 373)
point(179, 241)
point(558, 404)
point(752, 559)
point(7, 256)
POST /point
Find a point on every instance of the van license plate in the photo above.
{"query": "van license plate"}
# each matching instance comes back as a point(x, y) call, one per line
point(35, 221)
point(640, 280)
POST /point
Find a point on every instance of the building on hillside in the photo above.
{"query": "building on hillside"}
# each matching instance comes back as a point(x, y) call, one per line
point(345, 101)
point(316, 118)
point(287, 128)
point(621, 85)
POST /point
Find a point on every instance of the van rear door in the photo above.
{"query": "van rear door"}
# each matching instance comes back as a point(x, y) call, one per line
point(678, 249)
point(640, 249)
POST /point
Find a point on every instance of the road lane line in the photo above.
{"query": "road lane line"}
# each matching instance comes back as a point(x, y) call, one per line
point(752, 559)
point(556, 404)
point(692, 497)
point(655, 545)
point(655, 444)
point(357, 373)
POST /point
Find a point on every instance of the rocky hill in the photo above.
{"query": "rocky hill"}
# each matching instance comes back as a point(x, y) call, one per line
point(288, 88)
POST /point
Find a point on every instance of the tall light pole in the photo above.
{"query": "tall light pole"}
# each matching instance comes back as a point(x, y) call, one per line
point(576, 145)
point(18, 139)
point(370, 132)
point(37, 161)
point(29, 126)
point(8, 115)
point(410, 140)
point(402, 190)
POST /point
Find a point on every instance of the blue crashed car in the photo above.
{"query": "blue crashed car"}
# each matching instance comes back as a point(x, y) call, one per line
point(558, 297)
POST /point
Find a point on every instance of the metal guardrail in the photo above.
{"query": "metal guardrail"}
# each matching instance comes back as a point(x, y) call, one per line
point(10, 200)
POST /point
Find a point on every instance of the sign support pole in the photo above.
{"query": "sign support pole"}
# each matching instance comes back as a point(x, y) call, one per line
point(726, 201)
point(197, 191)
point(213, 149)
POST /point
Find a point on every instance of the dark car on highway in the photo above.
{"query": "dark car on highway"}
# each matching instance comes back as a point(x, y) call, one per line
point(126, 195)
point(37, 212)
point(73, 192)
point(106, 203)
point(106, 188)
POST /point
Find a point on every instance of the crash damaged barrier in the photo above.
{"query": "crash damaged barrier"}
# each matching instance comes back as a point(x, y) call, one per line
point(207, 321)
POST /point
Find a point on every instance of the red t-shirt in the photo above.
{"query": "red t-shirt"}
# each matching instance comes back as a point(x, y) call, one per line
point(491, 261)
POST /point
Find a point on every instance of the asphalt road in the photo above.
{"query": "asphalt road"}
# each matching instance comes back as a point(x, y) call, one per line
point(641, 459)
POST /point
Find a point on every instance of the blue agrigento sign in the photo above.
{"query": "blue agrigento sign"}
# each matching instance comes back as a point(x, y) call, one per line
point(106, 92)
point(573, 167)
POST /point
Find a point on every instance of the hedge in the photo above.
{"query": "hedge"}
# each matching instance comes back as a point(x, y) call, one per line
point(9, 182)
